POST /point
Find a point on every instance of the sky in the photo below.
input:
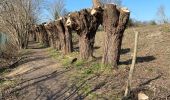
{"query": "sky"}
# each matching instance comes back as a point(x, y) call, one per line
point(143, 10)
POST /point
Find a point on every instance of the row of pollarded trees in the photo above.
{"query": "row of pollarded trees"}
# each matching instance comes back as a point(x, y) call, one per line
point(86, 22)
point(55, 34)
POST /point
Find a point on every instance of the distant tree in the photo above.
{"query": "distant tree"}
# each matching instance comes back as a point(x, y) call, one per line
point(118, 2)
point(152, 22)
point(57, 9)
point(161, 15)
point(16, 19)
point(131, 22)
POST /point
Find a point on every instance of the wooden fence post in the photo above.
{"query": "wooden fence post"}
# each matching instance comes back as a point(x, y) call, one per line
point(129, 82)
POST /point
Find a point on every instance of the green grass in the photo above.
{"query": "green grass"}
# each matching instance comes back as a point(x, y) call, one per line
point(2, 81)
point(64, 60)
point(81, 71)
point(54, 54)
point(2, 70)
point(79, 64)
point(4, 84)
point(165, 29)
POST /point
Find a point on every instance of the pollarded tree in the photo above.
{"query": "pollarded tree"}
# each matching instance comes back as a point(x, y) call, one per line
point(42, 34)
point(51, 33)
point(64, 35)
point(86, 23)
point(115, 21)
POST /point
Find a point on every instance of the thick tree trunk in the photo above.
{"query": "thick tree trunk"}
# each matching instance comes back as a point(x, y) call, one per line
point(50, 38)
point(114, 22)
point(85, 23)
point(38, 37)
point(38, 34)
point(85, 47)
point(56, 40)
point(44, 34)
point(68, 40)
point(35, 38)
point(65, 36)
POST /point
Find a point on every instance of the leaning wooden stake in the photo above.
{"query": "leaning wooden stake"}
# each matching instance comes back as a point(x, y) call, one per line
point(129, 82)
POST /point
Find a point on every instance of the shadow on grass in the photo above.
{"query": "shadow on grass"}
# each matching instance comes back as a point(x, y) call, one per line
point(138, 60)
point(77, 48)
point(74, 91)
point(150, 80)
point(36, 45)
point(61, 92)
point(142, 87)
point(124, 51)
point(2, 70)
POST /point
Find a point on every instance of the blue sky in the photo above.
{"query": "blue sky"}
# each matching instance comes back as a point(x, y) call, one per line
point(143, 10)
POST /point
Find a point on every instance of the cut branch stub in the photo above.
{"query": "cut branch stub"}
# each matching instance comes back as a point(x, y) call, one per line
point(96, 3)
point(114, 22)
point(86, 25)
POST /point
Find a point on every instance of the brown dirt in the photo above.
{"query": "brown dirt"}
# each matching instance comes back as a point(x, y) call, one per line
point(153, 58)
point(42, 78)
point(38, 77)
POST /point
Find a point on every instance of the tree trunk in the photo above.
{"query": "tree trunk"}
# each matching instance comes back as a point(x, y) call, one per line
point(65, 36)
point(84, 47)
point(35, 38)
point(44, 35)
point(50, 38)
point(38, 34)
point(114, 21)
point(56, 40)
point(68, 40)
point(85, 24)
point(38, 37)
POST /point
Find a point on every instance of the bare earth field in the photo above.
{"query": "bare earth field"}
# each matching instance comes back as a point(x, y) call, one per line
point(45, 74)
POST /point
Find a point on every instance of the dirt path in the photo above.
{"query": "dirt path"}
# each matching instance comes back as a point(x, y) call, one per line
point(41, 77)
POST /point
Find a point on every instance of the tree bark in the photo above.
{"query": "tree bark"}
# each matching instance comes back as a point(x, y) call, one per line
point(57, 44)
point(84, 47)
point(44, 34)
point(68, 40)
point(50, 36)
point(86, 25)
point(38, 34)
point(114, 22)
point(65, 36)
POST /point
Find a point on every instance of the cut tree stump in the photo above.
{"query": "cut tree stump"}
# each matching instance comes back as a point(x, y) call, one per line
point(85, 24)
point(114, 22)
